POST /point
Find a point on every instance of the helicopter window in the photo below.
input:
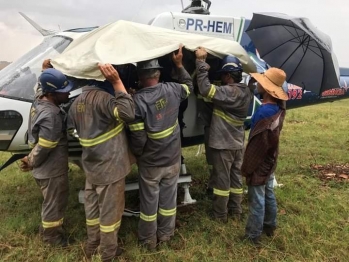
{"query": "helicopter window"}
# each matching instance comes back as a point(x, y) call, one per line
point(18, 80)
point(10, 122)
point(81, 30)
point(246, 41)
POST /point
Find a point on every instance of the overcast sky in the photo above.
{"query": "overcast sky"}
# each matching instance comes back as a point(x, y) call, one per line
point(17, 36)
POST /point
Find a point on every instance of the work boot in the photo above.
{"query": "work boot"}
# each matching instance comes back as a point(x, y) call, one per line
point(90, 252)
point(223, 220)
point(269, 230)
point(163, 241)
point(61, 242)
point(118, 253)
point(235, 215)
point(256, 241)
point(54, 236)
point(148, 244)
point(234, 204)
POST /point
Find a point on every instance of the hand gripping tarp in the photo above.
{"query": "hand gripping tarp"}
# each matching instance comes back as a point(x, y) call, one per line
point(126, 42)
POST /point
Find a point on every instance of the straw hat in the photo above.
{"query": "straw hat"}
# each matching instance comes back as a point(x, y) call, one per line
point(272, 81)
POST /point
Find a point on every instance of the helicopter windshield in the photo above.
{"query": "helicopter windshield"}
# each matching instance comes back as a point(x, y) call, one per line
point(18, 80)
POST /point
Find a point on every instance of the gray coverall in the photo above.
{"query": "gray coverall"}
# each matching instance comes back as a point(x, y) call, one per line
point(205, 109)
point(231, 103)
point(99, 120)
point(155, 141)
point(49, 159)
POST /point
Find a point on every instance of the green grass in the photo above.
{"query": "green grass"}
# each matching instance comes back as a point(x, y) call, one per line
point(313, 214)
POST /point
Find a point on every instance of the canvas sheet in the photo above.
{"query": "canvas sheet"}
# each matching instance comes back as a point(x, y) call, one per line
point(126, 42)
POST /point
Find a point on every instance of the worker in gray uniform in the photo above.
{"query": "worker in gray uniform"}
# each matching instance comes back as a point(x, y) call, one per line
point(48, 158)
point(155, 141)
point(231, 102)
point(99, 119)
point(205, 109)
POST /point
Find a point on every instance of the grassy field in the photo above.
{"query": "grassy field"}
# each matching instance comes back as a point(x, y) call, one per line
point(313, 206)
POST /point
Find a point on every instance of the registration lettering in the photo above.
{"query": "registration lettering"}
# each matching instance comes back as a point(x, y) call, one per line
point(209, 26)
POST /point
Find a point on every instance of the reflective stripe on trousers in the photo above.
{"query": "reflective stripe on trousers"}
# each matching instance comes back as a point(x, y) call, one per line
point(226, 181)
point(104, 206)
point(52, 224)
point(158, 195)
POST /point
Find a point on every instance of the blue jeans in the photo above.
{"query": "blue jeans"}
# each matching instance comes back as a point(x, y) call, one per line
point(262, 208)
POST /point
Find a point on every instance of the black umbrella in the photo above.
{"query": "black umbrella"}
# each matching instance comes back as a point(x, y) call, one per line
point(298, 47)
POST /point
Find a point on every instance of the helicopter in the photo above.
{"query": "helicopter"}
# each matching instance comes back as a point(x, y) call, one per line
point(18, 80)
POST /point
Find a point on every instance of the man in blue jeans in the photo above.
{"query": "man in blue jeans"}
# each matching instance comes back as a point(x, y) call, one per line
point(261, 154)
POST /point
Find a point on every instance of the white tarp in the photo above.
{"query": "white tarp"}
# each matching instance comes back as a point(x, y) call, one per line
point(126, 42)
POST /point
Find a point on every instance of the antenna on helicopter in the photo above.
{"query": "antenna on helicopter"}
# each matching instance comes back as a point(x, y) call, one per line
point(196, 7)
point(182, 4)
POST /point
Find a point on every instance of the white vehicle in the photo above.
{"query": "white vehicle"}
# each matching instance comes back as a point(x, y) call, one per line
point(18, 80)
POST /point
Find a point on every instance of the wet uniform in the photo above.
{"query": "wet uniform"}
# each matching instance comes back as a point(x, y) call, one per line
point(155, 141)
point(231, 103)
point(205, 109)
point(99, 119)
point(49, 159)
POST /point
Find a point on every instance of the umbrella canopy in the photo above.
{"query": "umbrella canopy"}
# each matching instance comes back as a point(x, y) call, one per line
point(296, 46)
point(126, 42)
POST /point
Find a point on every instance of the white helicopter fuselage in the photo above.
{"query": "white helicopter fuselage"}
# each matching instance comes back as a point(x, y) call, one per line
point(17, 90)
point(18, 80)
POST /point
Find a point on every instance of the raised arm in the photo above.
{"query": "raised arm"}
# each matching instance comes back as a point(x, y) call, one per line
point(183, 76)
point(122, 106)
point(206, 89)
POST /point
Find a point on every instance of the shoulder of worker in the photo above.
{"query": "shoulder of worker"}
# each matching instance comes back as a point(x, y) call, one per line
point(46, 108)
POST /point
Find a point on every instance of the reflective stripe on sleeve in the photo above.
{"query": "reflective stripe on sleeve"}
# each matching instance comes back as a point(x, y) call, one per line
point(70, 131)
point(207, 100)
point(212, 92)
point(224, 193)
point(111, 228)
point(167, 212)
point(31, 145)
point(57, 223)
point(186, 88)
point(237, 191)
point(148, 218)
point(136, 127)
point(102, 138)
point(47, 143)
point(92, 222)
point(163, 134)
point(116, 113)
point(233, 122)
